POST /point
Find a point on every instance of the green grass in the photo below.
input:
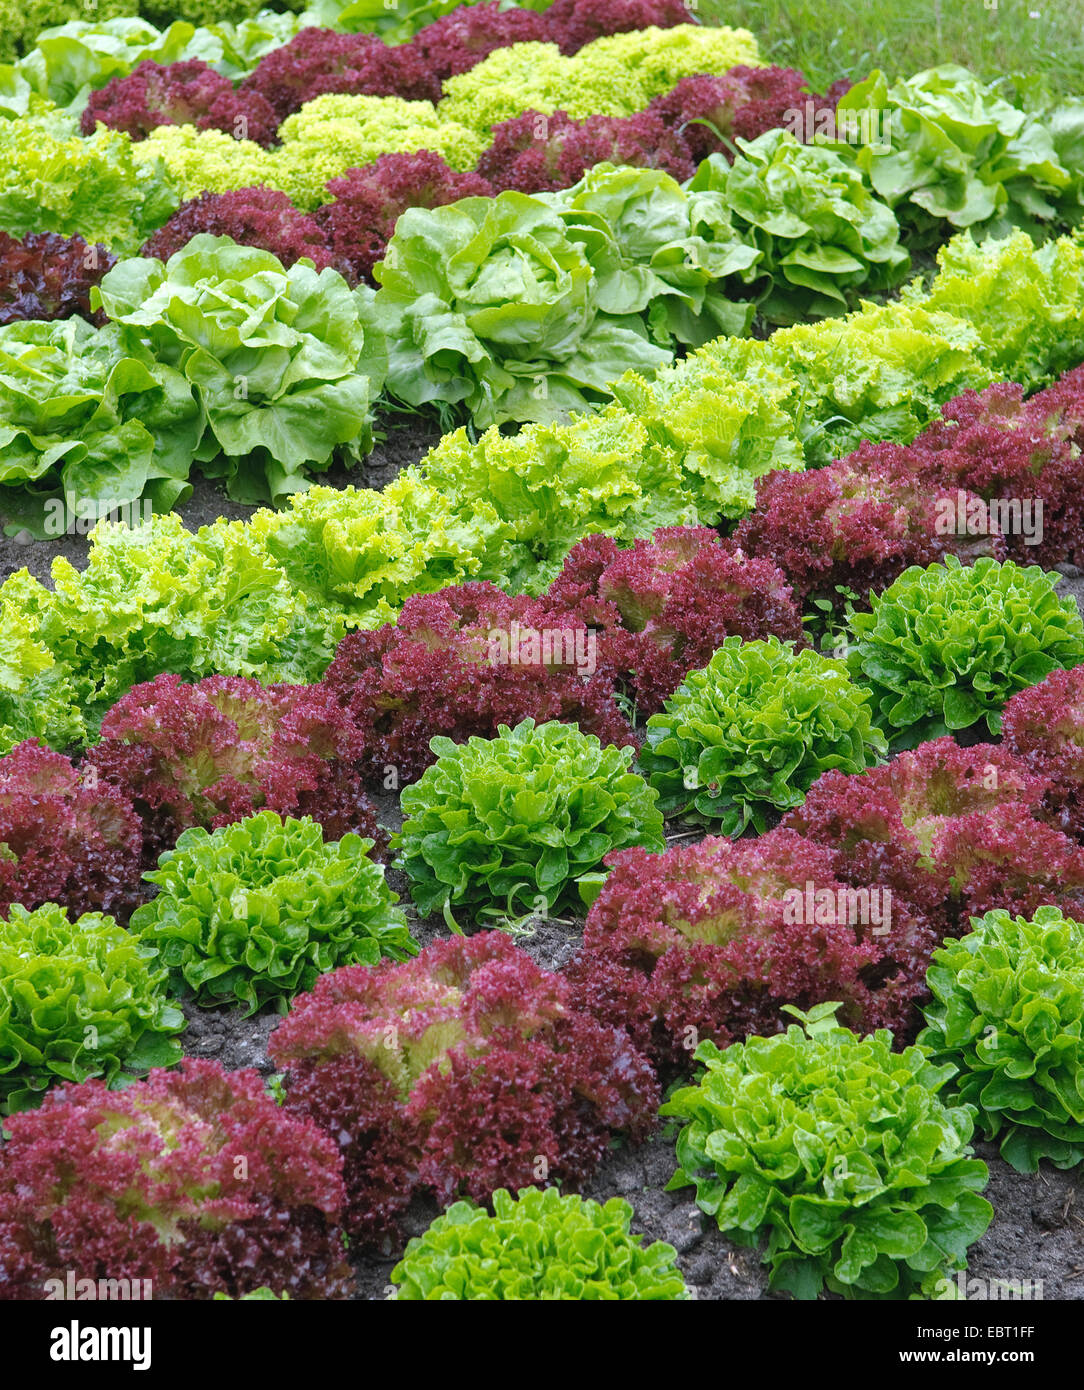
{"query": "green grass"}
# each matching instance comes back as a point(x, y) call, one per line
point(1043, 56)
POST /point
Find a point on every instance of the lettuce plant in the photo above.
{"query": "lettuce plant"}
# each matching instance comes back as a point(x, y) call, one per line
point(492, 302)
point(184, 93)
point(91, 424)
point(257, 910)
point(359, 553)
point(664, 606)
point(37, 698)
point(79, 56)
point(550, 485)
point(710, 940)
point(194, 1179)
point(1025, 302)
point(78, 999)
point(53, 181)
point(711, 110)
point(750, 732)
point(501, 825)
point(286, 362)
point(320, 61)
point(211, 753)
point(455, 42)
point(1044, 727)
point(533, 153)
point(1006, 1013)
point(661, 251)
point(261, 217)
point(1018, 458)
point(615, 75)
point(334, 134)
point(823, 236)
point(23, 22)
point(811, 393)
point(950, 152)
point(207, 161)
point(45, 276)
point(837, 1155)
point(537, 1246)
point(462, 1071)
point(157, 597)
point(463, 662)
point(368, 203)
point(944, 647)
point(856, 524)
point(954, 831)
point(65, 837)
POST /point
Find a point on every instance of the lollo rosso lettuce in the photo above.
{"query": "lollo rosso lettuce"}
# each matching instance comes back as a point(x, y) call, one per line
point(45, 276)
point(212, 753)
point(65, 838)
point(91, 423)
point(492, 302)
point(464, 1070)
point(194, 1179)
point(286, 362)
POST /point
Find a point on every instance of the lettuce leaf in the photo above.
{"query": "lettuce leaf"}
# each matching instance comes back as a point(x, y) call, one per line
point(820, 233)
point(287, 363)
point(490, 302)
point(89, 423)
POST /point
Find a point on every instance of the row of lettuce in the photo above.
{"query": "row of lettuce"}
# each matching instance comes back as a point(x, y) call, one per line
point(348, 164)
point(55, 39)
point(271, 598)
point(941, 147)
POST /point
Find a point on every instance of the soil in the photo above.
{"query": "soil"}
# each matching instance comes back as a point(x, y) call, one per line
point(1036, 1237)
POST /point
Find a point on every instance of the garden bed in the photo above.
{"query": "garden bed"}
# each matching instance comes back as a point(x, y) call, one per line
point(541, 652)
